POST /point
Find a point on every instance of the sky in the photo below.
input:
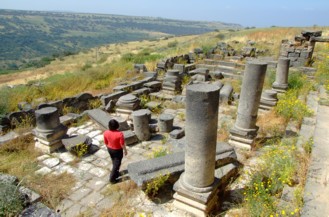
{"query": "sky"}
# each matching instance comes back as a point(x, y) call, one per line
point(245, 12)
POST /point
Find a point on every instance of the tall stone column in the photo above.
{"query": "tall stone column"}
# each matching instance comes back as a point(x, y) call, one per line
point(281, 79)
point(244, 131)
point(197, 187)
point(141, 124)
point(49, 131)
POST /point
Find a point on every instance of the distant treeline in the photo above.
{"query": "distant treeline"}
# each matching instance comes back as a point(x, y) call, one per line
point(26, 35)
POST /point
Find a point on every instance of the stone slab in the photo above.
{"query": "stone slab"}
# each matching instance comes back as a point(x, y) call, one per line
point(8, 137)
point(51, 162)
point(144, 171)
point(316, 191)
point(102, 119)
point(79, 194)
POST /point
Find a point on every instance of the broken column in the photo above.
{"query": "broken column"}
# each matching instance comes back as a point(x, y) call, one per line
point(141, 124)
point(281, 79)
point(49, 131)
point(244, 131)
point(196, 189)
point(127, 104)
point(268, 99)
point(165, 123)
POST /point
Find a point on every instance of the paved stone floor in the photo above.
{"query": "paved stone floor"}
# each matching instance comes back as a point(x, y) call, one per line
point(90, 193)
point(316, 194)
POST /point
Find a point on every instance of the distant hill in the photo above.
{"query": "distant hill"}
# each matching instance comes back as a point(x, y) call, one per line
point(27, 35)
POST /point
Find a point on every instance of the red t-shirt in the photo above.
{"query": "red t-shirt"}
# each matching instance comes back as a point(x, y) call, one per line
point(114, 139)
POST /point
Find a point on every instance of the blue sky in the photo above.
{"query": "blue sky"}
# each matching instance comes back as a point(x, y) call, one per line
point(245, 12)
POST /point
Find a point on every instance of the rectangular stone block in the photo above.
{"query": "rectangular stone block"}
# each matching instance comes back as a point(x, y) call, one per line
point(143, 171)
point(113, 96)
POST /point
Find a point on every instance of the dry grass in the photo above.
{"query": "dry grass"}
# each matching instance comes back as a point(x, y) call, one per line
point(271, 124)
point(223, 133)
point(127, 191)
point(18, 158)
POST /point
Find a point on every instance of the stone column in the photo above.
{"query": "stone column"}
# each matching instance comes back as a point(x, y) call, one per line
point(268, 99)
point(165, 123)
point(245, 130)
point(197, 187)
point(141, 124)
point(49, 131)
point(281, 79)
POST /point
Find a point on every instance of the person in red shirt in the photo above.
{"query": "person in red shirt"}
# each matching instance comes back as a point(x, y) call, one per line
point(115, 143)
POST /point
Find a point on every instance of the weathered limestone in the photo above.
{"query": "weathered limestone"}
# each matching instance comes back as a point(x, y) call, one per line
point(244, 131)
point(127, 104)
point(281, 79)
point(166, 123)
point(268, 99)
point(141, 124)
point(196, 189)
point(172, 83)
point(49, 131)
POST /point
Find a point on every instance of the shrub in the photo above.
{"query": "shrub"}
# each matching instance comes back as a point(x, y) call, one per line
point(296, 81)
point(172, 44)
point(86, 66)
point(153, 187)
point(95, 103)
point(278, 168)
point(80, 149)
point(290, 107)
point(159, 152)
point(220, 36)
point(11, 201)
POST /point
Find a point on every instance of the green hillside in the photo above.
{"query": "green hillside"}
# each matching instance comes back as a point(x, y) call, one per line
point(28, 35)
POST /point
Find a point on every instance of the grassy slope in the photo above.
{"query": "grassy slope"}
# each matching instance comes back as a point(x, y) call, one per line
point(29, 34)
point(83, 72)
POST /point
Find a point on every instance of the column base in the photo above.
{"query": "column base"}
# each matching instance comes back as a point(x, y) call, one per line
point(48, 148)
point(280, 88)
point(199, 204)
point(243, 139)
point(124, 113)
point(265, 106)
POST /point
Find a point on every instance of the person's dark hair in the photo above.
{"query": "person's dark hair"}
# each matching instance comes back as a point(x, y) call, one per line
point(113, 124)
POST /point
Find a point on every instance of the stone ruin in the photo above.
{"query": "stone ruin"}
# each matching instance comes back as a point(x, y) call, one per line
point(300, 51)
point(202, 164)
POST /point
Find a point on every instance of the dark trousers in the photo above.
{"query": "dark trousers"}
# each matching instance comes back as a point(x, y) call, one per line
point(116, 156)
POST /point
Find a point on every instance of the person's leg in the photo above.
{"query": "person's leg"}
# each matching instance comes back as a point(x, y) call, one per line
point(116, 156)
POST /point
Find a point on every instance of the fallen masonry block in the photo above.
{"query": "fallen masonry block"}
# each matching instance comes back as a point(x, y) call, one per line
point(144, 171)
point(102, 119)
